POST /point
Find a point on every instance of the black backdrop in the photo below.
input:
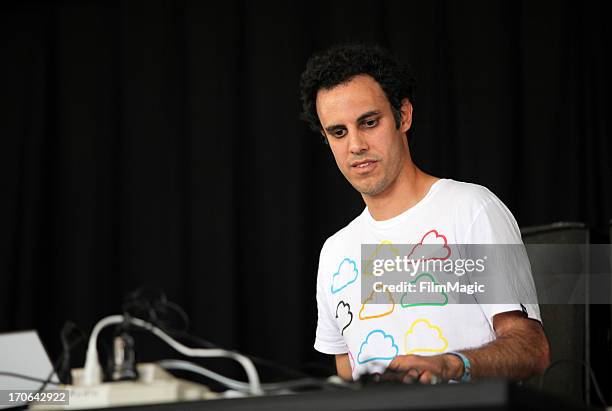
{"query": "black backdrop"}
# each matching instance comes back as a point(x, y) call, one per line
point(158, 143)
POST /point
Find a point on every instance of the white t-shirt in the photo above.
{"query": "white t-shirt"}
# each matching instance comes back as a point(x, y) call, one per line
point(451, 212)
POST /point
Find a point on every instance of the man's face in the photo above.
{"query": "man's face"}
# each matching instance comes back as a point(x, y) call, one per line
point(358, 123)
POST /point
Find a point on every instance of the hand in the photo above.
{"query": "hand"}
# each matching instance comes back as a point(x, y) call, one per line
point(425, 370)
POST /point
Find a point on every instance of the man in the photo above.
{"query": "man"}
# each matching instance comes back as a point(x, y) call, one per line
point(360, 99)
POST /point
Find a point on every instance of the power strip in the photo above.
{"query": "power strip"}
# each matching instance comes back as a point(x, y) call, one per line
point(155, 385)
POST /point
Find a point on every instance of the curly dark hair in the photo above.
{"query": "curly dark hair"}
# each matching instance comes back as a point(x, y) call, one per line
point(340, 63)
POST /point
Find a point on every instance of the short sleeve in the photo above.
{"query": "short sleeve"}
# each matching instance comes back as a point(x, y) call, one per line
point(495, 224)
point(328, 338)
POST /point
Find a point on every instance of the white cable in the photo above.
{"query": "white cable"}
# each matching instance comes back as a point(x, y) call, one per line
point(246, 363)
point(92, 370)
point(240, 385)
point(92, 373)
point(189, 366)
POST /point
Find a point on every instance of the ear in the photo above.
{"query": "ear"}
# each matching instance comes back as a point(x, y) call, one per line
point(406, 110)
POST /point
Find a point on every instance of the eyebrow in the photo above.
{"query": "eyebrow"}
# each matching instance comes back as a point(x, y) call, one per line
point(362, 117)
point(367, 114)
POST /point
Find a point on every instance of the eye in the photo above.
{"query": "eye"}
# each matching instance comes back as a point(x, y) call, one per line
point(338, 133)
point(370, 123)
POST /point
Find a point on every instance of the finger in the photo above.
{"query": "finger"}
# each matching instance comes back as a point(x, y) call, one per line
point(428, 377)
point(431, 364)
point(425, 377)
point(402, 362)
point(393, 375)
point(395, 363)
point(414, 373)
point(409, 379)
point(411, 376)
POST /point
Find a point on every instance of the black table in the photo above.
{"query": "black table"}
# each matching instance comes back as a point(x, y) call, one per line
point(484, 395)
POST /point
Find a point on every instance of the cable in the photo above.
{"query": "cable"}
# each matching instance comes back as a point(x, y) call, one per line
point(187, 366)
point(29, 378)
point(246, 363)
point(585, 366)
point(68, 326)
point(92, 369)
point(154, 304)
point(62, 365)
point(257, 360)
point(242, 386)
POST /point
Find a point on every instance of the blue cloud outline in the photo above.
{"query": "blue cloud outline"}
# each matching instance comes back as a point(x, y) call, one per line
point(338, 273)
point(385, 336)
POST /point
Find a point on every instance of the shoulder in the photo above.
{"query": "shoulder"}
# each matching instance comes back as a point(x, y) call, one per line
point(464, 194)
point(344, 235)
point(466, 201)
point(484, 217)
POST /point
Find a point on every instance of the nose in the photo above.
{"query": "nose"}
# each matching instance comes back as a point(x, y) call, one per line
point(357, 142)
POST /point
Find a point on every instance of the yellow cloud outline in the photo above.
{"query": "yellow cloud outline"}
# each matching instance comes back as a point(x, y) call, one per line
point(429, 325)
point(370, 297)
point(377, 250)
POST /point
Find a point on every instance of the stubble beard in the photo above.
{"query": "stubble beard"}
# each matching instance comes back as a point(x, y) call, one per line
point(372, 189)
point(389, 169)
point(378, 185)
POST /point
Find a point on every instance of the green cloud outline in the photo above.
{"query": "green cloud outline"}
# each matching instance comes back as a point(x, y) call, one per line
point(424, 304)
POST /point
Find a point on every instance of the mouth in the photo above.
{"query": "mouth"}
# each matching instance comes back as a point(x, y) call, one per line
point(364, 166)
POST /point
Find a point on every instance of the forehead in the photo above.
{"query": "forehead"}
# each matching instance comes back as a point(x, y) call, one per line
point(346, 102)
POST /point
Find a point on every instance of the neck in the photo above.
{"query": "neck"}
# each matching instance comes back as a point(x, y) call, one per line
point(406, 191)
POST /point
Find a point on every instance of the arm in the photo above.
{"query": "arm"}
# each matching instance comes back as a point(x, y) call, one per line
point(343, 367)
point(519, 351)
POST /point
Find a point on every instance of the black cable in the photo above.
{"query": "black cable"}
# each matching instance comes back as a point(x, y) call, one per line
point(312, 382)
point(177, 308)
point(68, 327)
point(28, 377)
point(153, 306)
point(63, 362)
point(155, 309)
point(587, 369)
point(270, 388)
point(47, 381)
point(261, 361)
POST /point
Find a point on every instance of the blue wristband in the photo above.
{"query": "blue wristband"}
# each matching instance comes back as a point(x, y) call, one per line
point(467, 366)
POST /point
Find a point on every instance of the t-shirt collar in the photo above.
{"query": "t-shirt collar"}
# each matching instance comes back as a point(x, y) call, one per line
point(398, 219)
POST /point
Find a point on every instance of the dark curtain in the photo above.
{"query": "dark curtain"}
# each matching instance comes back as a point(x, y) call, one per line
point(158, 143)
